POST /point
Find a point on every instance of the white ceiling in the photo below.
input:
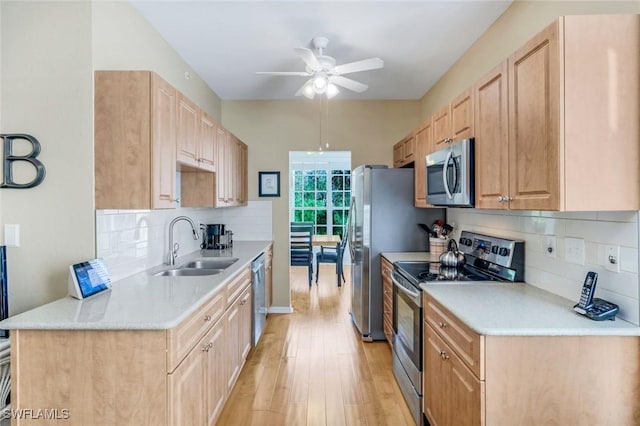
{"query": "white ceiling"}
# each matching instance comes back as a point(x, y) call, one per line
point(226, 42)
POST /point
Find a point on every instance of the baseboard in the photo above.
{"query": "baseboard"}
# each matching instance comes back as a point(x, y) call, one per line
point(280, 310)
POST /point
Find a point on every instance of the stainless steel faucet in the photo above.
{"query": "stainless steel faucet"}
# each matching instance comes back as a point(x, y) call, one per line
point(173, 248)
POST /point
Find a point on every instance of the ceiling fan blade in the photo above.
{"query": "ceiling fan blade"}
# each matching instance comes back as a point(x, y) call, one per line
point(294, 73)
point(308, 57)
point(363, 65)
point(347, 83)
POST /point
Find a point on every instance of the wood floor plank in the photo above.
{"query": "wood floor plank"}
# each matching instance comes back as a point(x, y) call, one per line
point(312, 368)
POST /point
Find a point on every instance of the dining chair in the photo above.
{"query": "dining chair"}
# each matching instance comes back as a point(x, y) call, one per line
point(332, 255)
point(301, 246)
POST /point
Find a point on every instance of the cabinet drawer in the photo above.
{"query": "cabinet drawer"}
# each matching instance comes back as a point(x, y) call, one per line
point(182, 338)
point(237, 284)
point(464, 341)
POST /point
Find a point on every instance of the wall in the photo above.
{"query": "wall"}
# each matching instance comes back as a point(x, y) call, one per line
point(47, 92)
point(556, 274)
point(273, 128)
point(124, 40)
point(131, 241)
point(518, 23)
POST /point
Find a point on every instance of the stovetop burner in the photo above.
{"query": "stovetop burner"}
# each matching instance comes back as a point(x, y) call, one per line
point(420, 272)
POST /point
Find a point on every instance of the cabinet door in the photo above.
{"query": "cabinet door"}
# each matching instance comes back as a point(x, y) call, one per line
point(216, 371)
point(208, 133)
point(163, 144)
point(397, 155)
point(387, 301)
point(462, 116)
point(408, 150)
point(534, 116)
point(232, 337)
point(491, 139)
point(441, 128)
point(454, 396)
point(187, 131)
point(186, 391)
point(246, 307)
point(244, 174)
point(423, 141)
point(221, 166)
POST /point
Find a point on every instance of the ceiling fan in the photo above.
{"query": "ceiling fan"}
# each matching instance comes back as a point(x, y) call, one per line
point(325, 74)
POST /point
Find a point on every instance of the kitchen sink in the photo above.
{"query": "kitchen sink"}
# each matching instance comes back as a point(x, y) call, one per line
point(209, 263)
point(187, 272)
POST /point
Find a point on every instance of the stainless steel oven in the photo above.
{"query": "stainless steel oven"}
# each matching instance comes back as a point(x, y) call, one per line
point(450, 175)
point(407, 341)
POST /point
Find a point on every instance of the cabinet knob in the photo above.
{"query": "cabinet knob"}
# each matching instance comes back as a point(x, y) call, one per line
point(207, 318)
point(501, 199)
point(442, 324)
point(175, 200)
point(509, 198)
point(444, 355)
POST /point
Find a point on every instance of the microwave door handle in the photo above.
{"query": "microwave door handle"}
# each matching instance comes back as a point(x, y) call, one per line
point(444, 174)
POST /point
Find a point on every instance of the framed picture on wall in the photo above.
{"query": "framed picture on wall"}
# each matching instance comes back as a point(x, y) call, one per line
point(269, 184)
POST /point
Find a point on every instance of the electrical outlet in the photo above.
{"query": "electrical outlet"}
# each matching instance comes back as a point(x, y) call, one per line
point(574, 250)
point(11, 235)
point(550, 246)
point(609, 257)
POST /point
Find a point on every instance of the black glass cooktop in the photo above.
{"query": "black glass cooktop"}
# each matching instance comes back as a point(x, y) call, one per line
point(420, 272)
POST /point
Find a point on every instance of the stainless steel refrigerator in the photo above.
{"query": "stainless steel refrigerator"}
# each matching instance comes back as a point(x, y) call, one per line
point(382, 218)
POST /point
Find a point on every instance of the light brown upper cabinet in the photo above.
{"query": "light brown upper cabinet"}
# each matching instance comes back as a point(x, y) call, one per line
point(491, 139)
point(422, 147)
point(196, 133)
point(453, 122)
point(231, 170)
point(403, 151)
point(573, 128)
point(135, 141)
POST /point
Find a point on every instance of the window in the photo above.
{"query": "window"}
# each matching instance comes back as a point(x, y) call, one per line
point(321, 191)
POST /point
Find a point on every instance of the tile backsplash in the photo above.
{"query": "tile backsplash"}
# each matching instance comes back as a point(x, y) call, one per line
point(131, 241)
point(557, 275)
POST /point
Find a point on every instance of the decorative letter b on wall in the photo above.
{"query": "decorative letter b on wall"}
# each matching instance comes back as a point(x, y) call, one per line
point(9, 159)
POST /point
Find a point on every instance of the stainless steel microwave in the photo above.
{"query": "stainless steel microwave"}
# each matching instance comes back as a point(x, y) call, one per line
point(450, 175)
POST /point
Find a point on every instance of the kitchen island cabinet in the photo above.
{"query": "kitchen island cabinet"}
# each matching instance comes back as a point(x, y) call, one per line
point(153, 350)
point(533, 361)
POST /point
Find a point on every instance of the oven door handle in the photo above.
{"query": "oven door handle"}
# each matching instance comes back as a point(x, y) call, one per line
point(405, 290)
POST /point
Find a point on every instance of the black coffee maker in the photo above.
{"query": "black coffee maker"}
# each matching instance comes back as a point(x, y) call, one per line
point(211, 234)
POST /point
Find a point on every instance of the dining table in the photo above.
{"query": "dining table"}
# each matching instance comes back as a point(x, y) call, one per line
point(325, 240)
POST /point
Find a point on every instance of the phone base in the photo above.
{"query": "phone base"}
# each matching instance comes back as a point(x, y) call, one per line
point(599, 310)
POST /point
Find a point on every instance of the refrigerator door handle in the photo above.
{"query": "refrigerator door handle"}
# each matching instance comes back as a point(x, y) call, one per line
point(350, 230)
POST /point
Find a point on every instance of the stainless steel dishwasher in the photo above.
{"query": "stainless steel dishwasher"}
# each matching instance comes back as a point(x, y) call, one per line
point(259, 317)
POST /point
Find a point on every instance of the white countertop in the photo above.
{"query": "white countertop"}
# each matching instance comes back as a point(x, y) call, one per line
point(519, 309)
point(141, 301)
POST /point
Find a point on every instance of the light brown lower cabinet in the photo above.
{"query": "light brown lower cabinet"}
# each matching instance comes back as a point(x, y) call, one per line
point(387, 303)
point(472, 379)
point(177, 377)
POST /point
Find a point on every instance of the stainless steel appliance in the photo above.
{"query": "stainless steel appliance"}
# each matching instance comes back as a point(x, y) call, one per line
point(486, 259)
point(382, 218)
point(259, 317)
point(450, 175)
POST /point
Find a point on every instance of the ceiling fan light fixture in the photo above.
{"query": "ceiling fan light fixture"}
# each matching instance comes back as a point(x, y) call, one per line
point(320, 84)
point(332, 90)
point(308, 91)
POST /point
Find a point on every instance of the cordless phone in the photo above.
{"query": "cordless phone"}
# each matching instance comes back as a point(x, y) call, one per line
point(595, 309)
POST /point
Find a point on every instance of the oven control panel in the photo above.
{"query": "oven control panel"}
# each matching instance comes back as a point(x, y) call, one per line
point(500, 251)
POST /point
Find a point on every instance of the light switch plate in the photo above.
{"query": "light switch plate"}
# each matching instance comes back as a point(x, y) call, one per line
point(11, 235)
point(574, 250)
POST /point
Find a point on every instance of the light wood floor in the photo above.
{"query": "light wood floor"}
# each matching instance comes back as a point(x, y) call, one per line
point(311, 367)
